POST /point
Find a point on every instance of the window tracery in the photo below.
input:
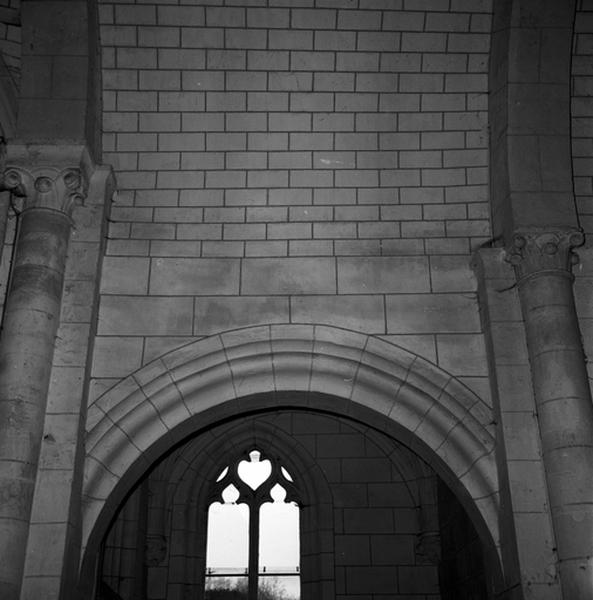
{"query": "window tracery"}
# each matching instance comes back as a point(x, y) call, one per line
point(253, 545)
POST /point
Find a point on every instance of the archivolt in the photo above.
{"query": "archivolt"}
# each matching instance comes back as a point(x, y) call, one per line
point(316, 367)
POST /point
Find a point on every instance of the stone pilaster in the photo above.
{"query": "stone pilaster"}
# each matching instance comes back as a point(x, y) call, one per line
point(542, 262)
point(27, 342)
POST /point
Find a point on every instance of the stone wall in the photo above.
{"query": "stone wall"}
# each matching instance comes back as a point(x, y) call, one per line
point(582, 113)
point(318, 162)
point(582, 162)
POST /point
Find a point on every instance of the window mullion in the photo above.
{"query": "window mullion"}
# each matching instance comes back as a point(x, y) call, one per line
point(253, 550)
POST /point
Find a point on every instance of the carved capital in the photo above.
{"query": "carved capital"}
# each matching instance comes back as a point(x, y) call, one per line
point(532, 252)
point(46, 187)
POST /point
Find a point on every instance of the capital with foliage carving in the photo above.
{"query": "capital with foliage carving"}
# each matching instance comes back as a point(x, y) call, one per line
point(533, 252)
point(46, 187)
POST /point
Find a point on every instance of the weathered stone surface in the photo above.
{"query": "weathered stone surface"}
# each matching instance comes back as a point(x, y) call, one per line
point(130, 315)
point(194, 276)
point(383, 275)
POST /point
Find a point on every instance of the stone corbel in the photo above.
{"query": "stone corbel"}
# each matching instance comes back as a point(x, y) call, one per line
point(46, 187)
point(533, 252)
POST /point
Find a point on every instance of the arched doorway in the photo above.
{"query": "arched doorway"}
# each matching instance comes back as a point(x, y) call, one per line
point(289, 368)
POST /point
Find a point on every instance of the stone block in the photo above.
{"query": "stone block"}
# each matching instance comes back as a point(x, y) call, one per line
point(352, 550)
point(155, 347)
point(384, 230)
point(432, 313)
point(266, 248)
point(359, 313)
point(383, 275)
point(267, 60)
point(244, 81)
point(426, 121)
point(335, 197)
point(363, 62)
point(136, 142)
point(303, 18)
point(65, 390)
point(268, 101)
point(181, 15)
point(396, 247)
point(135, 15)
point(268, 18)
point(393, 549)
point(225, 17)
point(422, 229)
point(222, 60)
point(267, 178)
point(314, 178)
point(209, 231)
point(311, 61)
point(180, 179)
point(288, 231)
point(361, 470)
point(118, 35)
point(310, 248)
point(116, 358)
point(202, 80)
point(235, 214)
point(468, 42)
point(538, 558)
point(125, 275)
point(245, 197)
point(447, 22)
point(332, 122)
point(183, 276)
point(185, 58)
point(244, 38)
point(371, 580)
point(202, 37)
point(216, 314)
point(424, 42)
point(452, 274)
point(267, 141)
point(290, 160)
point(288, 276)
point(462, 354)
point(401, 213)
point(521, 435)
point(159, 122)
point(418, 579)
point(129, 315)
point(158, 37)
point(136, 101)
point(201, 160)
point(175, 248)
point(43, 536)
point(222, 249)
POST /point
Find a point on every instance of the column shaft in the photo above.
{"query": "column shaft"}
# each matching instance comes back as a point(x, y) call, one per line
point(565, 415)
point(26, 349)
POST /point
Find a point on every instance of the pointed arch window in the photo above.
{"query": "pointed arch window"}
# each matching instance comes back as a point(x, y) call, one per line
point(253, 545)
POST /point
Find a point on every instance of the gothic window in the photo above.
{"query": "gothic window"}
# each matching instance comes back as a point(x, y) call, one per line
point(253, 546)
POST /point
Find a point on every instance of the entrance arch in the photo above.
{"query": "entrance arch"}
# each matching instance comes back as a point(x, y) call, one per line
point(288, 366)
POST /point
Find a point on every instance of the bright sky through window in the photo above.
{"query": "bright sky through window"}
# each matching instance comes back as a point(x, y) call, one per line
point(253, 534)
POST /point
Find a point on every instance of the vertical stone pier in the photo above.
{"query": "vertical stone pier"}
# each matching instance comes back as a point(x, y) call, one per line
point(542, 262)
point(26, 348)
